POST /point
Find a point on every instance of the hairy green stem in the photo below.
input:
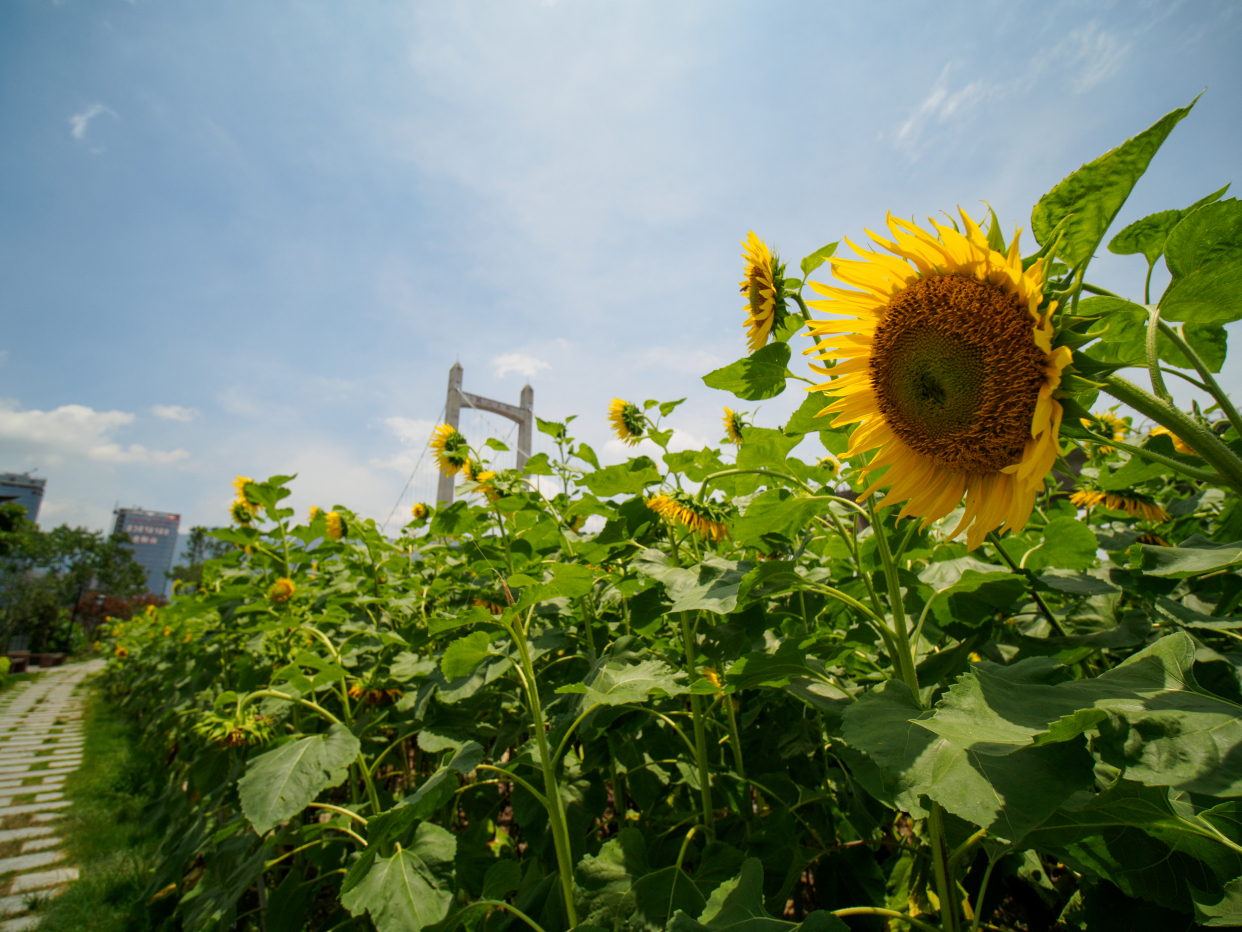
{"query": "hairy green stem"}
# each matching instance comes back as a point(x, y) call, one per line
point(700, 733)
point(1210, 385)
point(1153, 357)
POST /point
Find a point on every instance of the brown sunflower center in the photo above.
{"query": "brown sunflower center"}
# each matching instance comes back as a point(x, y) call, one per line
point(956, 372)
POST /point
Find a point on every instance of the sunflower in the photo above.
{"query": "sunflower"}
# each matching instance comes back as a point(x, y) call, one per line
point(829, 463)
point(450, 447)
point(1131, 504)
point(420, 510)
point(628, 422)
point(762, 287)
point(1119, 427)
point(244, 500)
point(948, 368)
point(315, 512)
point(121, 653)
point(240, 513)
point(337, 528)
point(374, 696)
point(704, 518)
point(733, 425)
point(1179, 444)
point(282, 590)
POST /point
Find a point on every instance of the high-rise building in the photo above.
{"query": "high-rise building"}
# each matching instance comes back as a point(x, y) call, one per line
point(24, 489)
point(154, 537)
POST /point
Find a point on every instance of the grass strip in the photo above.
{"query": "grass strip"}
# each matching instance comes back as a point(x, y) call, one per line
point(104, 833)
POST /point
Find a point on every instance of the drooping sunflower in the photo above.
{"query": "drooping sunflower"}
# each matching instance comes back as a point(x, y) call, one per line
point(1119, 427)
point(1132, 504)
point(763, 289)
point(420, 510)
point(1179, 444)
point(948, 368)
point(239, 485)
point(240, 513)
point(628, 422)
point(450, 447)
point(315, 512)
point(733, 425)
point(704, 518)
point(282, 590)
point(337, 528)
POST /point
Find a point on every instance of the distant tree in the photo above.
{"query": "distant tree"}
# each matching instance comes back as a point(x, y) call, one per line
point(44, 576)
point(199, 548)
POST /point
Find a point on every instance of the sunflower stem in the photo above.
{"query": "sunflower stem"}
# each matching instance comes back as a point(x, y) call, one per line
point(1205, 443)
point(700, 733)
point(1043, 606)
point(1153, 357)
point(904, 657)
point(1210, 385)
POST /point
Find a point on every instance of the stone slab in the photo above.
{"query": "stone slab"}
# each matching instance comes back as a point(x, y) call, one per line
point(43, 879)
point(27, 862)
point(39, 844)
point(30, 831)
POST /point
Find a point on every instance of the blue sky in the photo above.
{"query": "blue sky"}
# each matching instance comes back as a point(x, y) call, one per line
point(252, 238)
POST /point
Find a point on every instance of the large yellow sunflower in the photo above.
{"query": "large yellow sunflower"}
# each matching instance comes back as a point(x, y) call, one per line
point(762, 289)
point(946, 363)
point(628, 421)
point(450, 447)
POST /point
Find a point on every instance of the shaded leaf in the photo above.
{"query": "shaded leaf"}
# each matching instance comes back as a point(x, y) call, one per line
point(411, 889)
point(282, 782)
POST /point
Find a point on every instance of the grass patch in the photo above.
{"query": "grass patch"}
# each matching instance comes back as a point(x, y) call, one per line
point(105, 835)
point(12, 679)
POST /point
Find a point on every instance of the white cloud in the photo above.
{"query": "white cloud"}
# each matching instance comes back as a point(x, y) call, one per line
point(78, 122)
point(75, 432)
point(1099, 52)
point(174, 413)
point(521, 363)
point(691, 362)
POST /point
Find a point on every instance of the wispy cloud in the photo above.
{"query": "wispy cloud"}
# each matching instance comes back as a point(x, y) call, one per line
point(691, 362)
point(78, 122)
point(521, 363)
point(174, 413)
point(75, 432)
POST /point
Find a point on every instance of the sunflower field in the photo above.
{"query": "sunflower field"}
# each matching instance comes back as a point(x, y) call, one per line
point(969, 660)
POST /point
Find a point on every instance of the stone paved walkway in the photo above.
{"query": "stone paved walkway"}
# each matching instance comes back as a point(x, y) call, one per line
point(40, 743)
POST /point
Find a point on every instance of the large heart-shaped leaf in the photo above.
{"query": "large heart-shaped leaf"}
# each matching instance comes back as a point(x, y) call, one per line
point(759, 375)
point(279, 784)
point(411, 889)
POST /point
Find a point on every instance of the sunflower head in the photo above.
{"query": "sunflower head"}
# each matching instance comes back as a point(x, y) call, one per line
point(240, 513)
point(420, 511)
point(763, 288)
point(733, 425)
point(1179, 444)
point(337, 525)
point(244, 499)
point(946, 362)
point(628, 421)
point(829, 463)
point(282, 590)
point(121, 653)
point(315, 512)
point(704, 518)
point(1117, 427)
point(450, 448)
point(236, 731)
point(1132, 503)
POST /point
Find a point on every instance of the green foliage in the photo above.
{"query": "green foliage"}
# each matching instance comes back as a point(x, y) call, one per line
point(771, 700)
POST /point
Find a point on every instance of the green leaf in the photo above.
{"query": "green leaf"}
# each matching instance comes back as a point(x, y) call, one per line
point(475, 615)
point(737, 906)
point(496, 445)
point(282, 782)
point(1007, 795)
point(713, 586)
point(1158, 725)
point(1085, 203)
point(586, 454)
point(1148, 843)
point(810, 263)
point(569, 581)
point(776, 511)
point(604, 879)
point(759, 375)
point(463, 655)
point(410, 890)
point(538, 465)
point(616, 682)
point(627, 478)
point(1146, 236)
point(433, 791)
point(1067, 543)
point(1204, 256)
point(804, 420)
point(1192, 557)
point(666, 407)
point(1219, 910)
point(502, 878)
point(763, 447)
